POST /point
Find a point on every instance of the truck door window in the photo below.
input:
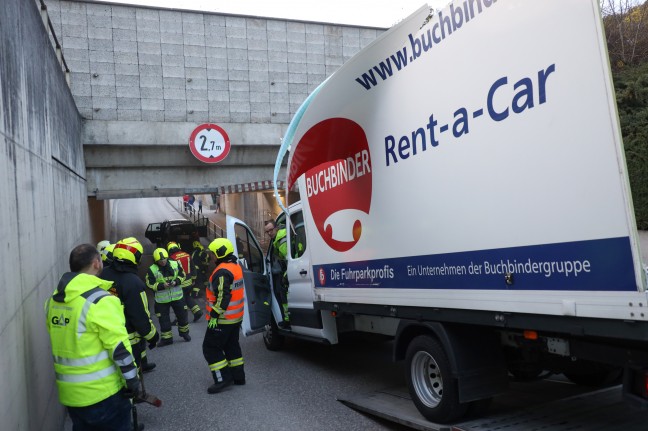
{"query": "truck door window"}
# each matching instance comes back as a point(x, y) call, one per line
point(297, 235)
point(249, 252)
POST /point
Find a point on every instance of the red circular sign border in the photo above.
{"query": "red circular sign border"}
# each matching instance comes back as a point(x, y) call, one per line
point(194, 151)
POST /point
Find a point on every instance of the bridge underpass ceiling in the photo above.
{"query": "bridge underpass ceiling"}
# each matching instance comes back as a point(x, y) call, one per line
point(139, 159)
point(119, 172)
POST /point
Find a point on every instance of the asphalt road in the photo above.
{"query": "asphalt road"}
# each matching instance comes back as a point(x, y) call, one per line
point(294, 389)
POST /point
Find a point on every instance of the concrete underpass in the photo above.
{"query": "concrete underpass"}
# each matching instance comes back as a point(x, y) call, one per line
point(101, 109)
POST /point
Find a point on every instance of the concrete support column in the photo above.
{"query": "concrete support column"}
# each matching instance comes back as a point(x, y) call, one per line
point(99, 212)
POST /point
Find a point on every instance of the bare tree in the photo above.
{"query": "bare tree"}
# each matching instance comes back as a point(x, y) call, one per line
point(626, 29)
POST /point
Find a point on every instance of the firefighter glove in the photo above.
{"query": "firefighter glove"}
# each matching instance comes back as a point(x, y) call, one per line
point(213, 323)
point(132, 387)
point(153, 341)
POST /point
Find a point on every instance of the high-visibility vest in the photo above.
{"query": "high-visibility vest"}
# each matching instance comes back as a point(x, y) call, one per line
point(172, 293)
point(234, 311)
point(86, 325)
point(184, 259)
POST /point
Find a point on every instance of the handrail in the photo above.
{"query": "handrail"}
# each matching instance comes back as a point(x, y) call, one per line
point(213, 230)
point(56, 45)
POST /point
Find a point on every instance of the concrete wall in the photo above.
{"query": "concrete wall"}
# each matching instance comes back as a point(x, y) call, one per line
point(145, 64)
point(44, 211)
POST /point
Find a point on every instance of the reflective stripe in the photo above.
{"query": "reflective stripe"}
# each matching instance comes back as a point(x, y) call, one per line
point(235, 303)
point(236, 362)
point(234, 311)
point(81, 362)
point(218, 365)
point(80, 378)
point(130, 374)
point(123, 362)
point(86, 308)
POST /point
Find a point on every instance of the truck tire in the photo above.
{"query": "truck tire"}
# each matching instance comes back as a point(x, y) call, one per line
point(430, 383)
point(271, 337)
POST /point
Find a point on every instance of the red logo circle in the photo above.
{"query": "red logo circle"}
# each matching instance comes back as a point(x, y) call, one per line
point(334, 156)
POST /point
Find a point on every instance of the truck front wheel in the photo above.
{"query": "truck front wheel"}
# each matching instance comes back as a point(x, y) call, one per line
point(431, 385)
point(271, 337)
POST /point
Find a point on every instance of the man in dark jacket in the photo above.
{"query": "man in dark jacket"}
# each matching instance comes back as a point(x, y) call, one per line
point(130, 289)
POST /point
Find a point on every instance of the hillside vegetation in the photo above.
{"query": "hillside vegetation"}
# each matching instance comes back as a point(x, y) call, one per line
point(631, 85)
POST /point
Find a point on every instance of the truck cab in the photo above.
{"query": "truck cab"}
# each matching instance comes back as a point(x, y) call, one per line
point(262, 276)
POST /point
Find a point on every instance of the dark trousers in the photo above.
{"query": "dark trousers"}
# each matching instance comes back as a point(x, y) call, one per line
point(162, 310)
point(191, 302)
point(222, 343)
point(111, 414)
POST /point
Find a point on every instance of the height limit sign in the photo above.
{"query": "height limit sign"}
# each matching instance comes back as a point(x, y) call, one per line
point(209, 143)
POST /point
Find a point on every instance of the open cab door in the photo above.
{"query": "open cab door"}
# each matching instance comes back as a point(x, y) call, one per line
point(154, 233)
point(255, 279)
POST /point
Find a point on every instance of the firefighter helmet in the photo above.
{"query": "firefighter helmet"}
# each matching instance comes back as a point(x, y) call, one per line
point(110, 248)
point(101, 248)
point(197, 245)
point(221, 247)
point(172, 246)
point(159, 254)
point(128, 249)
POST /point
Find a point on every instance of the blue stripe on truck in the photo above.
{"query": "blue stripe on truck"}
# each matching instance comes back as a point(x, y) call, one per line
point(596, 265)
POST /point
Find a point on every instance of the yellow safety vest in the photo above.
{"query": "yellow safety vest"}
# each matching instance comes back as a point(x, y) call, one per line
point(173, 293)
point(86, 324)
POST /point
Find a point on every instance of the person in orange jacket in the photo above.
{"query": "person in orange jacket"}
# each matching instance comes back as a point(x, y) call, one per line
point(225, 302)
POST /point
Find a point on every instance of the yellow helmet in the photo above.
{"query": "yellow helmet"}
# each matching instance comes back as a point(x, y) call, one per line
point(159, 254)
point(128, 249)
point(197, 244)
point(172, 245)
point(221, 247)
point(108, 257)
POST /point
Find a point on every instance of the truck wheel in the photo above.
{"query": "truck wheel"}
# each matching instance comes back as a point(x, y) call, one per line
point(430, 383)
point(271, 337)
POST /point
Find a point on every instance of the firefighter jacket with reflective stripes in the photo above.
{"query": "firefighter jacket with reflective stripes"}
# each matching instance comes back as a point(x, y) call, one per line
point(131, 290)
point(280, 243)
point(92, 354)
point(184, 260)
point(225, 292)
point(171, 273)
point(200, 260)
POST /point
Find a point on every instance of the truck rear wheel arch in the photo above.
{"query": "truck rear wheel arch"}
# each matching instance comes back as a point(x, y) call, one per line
point(473, 353)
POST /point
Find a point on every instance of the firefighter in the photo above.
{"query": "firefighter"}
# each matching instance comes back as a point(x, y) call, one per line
point(93, 361)
point(225, 312)
point(280, 265)
point(127, 285)
point(165, 278)
point(200, 261)
point(184, 260)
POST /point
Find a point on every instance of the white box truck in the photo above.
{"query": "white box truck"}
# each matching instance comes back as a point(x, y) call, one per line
point(464, 190)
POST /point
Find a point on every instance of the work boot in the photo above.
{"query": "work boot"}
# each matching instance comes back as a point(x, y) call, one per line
point(147, 366)
point(239, 382)
point(222, 379)
point(217, 387)
point(186, 336)
point(198, 315)
point(165, 342)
